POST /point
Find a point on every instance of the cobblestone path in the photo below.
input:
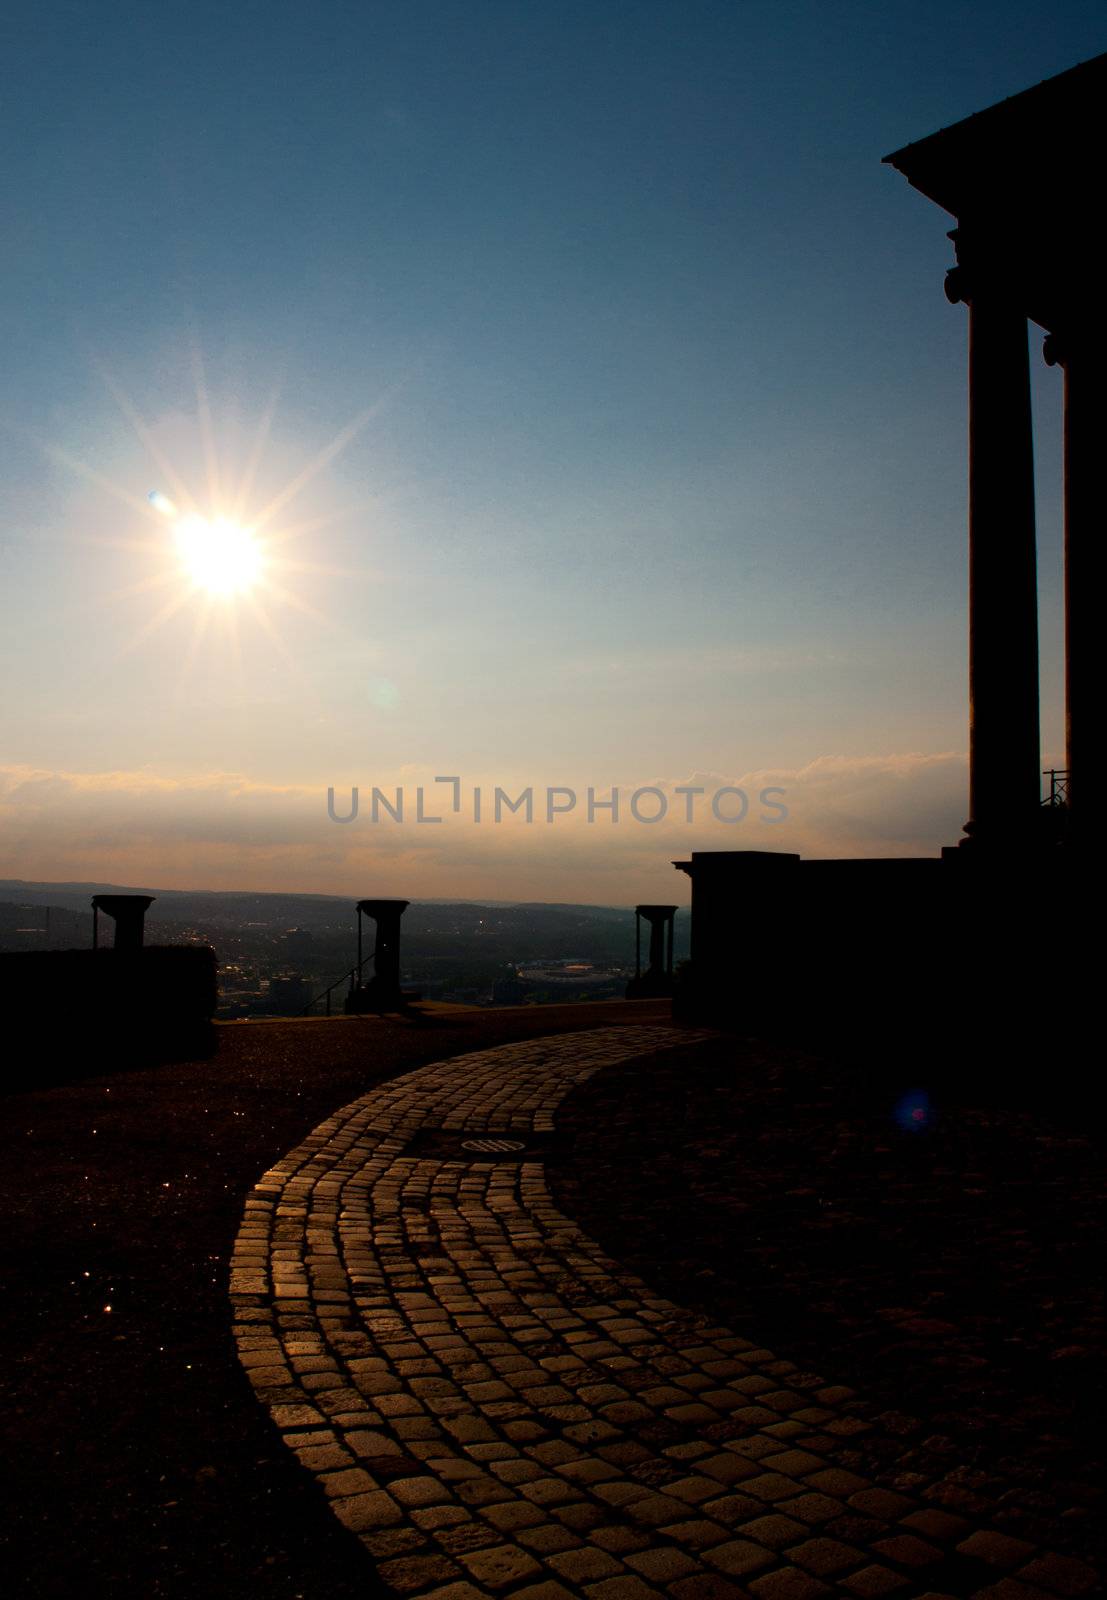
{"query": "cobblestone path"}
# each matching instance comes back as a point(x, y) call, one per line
point(495, 1408)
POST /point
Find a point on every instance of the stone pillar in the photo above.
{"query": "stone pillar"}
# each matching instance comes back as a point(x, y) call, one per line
point(1004, 741)
point(1085, 435)
point(128, 911)
point(382, 992)
point(657, 980)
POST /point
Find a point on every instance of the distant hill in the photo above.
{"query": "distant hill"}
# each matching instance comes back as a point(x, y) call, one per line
point(233, 904)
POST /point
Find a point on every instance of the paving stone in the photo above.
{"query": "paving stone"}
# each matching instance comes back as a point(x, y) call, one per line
point(727, 1467)
point(418, 1491)
point(656, 1509)
point(774, 1531)
point(467, 1536)
point(708, 1586)
point(499, 1566)
point(881, 1503)
point(662, 1566)
point(943, 1526)
point(825, 1557)
point(324, 1458)
point(855, 1529)
point(513, 1515)
point(788, 1583)
point(814, 1508)
point(1011, 1589)
point(547, 1491)
point(731, 1509)
point(832, 1480)
point(547, 1539)
point(694, 1490)
point(907, 1550)
point(739, 1556)
point(625, 1588)
point(494, 1406)
point(873, 1580)
point(620, 1541)
point(433, 1517)
point(360, 1512)
point(584, 1565)
point(793, 1462)
point(455, 1591)
point(409, 1574)
point(350, 1481)
point(383, 1543)
point(695, 1534)
point(1060, 1575)
point(771, 1486)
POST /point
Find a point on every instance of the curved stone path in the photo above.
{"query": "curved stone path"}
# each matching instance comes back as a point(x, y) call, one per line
point(496, 1408)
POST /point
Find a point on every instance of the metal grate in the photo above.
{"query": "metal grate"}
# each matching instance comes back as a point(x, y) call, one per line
point(477, 1144)
point(492, 1147)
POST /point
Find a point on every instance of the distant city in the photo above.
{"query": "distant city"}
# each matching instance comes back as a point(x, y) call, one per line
point(280, 954)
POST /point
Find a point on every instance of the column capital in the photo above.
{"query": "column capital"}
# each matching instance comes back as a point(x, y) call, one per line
point(956, 287)
point(983, 268)
point(1079, 338)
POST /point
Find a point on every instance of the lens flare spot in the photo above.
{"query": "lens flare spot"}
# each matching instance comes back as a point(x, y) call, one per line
point(914, 1111)
point(384, 694)
point(161, 502)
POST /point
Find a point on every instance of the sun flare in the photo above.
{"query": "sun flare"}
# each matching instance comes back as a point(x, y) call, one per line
point(221, 557)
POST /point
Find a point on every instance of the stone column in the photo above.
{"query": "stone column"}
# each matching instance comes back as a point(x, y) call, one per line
point(658, 976)
point(1085, 434)
point(129, 914)
point(1004, 741)
point(383, 989)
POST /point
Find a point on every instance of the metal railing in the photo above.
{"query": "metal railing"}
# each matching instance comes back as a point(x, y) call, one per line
point(358, 968)
point(1058, 786)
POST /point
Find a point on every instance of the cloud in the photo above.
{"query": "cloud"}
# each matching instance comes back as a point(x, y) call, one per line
point(227, 830)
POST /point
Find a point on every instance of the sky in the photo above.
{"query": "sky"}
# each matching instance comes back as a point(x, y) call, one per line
point(590, 389)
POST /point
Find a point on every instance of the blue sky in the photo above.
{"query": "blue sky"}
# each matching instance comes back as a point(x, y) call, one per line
point(662, 465)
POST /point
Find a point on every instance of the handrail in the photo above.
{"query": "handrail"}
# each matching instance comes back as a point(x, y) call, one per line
point(325, 994)
point(1058, 786)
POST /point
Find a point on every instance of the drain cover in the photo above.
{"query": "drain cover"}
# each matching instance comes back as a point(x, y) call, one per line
point(470, 1144)
point(493, 1147)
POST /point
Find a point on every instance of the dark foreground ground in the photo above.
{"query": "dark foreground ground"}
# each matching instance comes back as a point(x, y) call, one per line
point(946, 1268)
point(140, 1462)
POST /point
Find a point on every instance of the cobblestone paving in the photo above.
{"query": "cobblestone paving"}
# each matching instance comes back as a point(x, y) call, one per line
point(495, 1408)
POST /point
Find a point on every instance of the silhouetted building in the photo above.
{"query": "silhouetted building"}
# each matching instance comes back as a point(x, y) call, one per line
point(1023, 181)
point(945, 958)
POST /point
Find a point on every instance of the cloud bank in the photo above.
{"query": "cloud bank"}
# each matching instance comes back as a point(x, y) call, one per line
point(224, 830)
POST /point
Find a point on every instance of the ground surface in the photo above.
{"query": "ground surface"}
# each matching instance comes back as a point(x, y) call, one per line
point(141, 1463)
point(949, 1267)
point(145, 1465)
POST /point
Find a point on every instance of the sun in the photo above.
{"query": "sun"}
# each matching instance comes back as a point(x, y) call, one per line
point(221, 557)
